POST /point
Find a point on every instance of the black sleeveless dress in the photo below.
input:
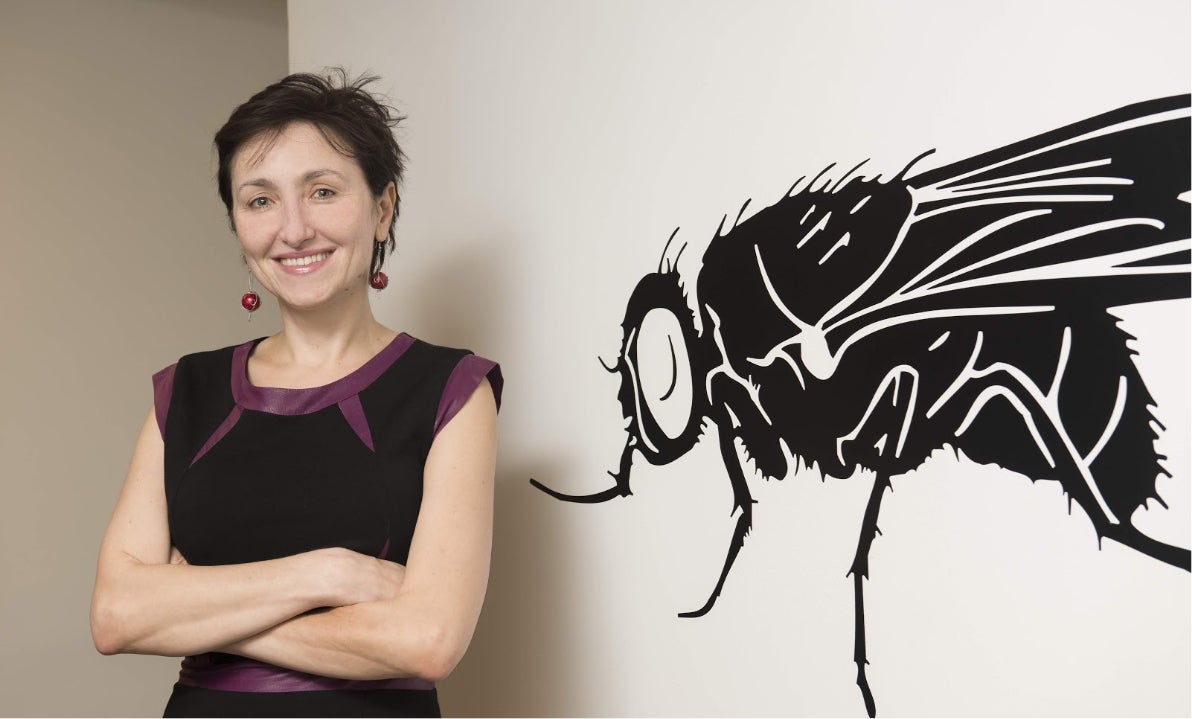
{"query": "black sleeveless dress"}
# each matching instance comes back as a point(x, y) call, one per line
point(256, 473)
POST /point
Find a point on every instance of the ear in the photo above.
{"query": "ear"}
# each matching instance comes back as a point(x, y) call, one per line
point(385, 205)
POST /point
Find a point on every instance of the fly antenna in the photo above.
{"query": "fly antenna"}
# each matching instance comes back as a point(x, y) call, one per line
point(742, 212)
point(680, 254)
point(912, 163)
point(664, 249)
point(845, 175)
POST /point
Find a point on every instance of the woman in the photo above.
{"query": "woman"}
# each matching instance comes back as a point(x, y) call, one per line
point(307, 517)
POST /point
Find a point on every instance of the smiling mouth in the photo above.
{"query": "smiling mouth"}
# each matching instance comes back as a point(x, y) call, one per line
point(303, 261)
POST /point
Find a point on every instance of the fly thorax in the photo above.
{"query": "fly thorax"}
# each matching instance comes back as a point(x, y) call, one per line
point(813, 249)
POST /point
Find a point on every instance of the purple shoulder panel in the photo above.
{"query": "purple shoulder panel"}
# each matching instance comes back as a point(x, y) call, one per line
point(163, 389)
point(464, 380)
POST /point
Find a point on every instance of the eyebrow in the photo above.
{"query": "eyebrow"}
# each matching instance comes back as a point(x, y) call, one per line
point(308, 177)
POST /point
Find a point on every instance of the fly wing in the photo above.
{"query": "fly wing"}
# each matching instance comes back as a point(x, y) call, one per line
point(1089, 216)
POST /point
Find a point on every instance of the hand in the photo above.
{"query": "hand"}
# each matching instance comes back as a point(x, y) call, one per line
point(351, 577)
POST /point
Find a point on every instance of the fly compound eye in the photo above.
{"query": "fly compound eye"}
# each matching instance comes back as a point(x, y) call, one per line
point(661, 368)
point(664, 373)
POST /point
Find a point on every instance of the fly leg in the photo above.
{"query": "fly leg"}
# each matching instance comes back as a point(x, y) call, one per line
point(739, 416)
point(859, 571)
point(742, 503)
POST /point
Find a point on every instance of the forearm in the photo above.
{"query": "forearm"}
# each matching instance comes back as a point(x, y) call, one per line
point(370, 640)
point(179, 609)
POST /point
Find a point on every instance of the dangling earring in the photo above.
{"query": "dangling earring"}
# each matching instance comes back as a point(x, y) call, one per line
point(379, 280)
point(251, 300)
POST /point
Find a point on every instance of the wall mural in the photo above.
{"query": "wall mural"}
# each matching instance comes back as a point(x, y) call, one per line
point(965, 307)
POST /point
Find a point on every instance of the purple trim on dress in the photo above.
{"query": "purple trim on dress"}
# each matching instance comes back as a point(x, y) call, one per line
point(464, 380)
point(277, 400)
point(219, 433)
point(250, 675)
point(163, 390)
point(353, 411)
point(384, 550)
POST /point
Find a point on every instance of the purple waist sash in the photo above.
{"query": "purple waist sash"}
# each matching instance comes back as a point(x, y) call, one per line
point(248, 675)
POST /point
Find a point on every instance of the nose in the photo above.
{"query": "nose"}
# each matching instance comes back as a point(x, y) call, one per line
point(295, 229)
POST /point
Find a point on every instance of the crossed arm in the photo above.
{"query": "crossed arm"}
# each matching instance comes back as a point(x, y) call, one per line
point(383, 620)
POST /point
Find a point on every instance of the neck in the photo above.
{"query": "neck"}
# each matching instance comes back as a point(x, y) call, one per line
point(330, 335)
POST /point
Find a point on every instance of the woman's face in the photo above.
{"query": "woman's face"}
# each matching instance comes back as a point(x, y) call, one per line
point(306, 218)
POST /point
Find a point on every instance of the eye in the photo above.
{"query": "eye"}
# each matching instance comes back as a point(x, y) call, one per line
point(664, 377)
point(257, 203)
point(324, 192)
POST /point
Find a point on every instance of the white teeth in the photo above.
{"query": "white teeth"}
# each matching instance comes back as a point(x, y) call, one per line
point(302, 261)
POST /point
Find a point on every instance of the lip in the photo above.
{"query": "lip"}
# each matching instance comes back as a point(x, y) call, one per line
point(302, 269)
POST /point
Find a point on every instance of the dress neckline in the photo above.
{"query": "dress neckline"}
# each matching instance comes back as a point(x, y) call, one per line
point(281, 400)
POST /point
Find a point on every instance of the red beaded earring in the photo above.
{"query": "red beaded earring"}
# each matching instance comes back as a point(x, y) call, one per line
point(379, 280)
point(250, 300)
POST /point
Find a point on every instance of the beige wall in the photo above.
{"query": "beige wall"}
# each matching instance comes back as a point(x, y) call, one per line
point(117, 259)
point(554, 146)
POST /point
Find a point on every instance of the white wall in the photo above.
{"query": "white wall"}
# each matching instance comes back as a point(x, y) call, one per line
point(117, 260)
point(554, 148)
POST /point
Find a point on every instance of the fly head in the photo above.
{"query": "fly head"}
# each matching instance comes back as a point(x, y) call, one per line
point(662, 369)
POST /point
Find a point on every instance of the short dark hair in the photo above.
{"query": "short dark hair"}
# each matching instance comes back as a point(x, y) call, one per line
point(350, 118)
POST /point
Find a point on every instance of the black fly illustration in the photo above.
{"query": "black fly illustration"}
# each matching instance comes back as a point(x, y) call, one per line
point(865, 323)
